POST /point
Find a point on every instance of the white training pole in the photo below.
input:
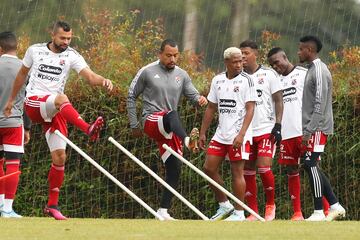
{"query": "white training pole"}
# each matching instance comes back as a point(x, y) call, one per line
point(111, 177)
point(218, 186)
point(152, 173)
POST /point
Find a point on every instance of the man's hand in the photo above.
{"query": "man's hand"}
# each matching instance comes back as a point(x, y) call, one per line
point(202, 141)
point(276, 134)
point(305, 140)
point(108, 84)
point(202, 101)
point(26, 136)
point(7, 110)
point(136, 132)
point(238, 141)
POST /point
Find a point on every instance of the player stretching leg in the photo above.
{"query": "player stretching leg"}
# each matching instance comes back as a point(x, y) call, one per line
point(49, 65)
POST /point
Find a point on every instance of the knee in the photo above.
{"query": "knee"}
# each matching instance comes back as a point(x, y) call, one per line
point(59, 158)
point(292, 169)
point(60, 99)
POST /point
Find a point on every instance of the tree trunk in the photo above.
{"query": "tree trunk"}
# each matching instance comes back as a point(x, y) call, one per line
point(190, 26)
point(240, 21)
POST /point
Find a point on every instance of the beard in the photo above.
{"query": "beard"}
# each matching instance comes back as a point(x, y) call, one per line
point(59, 48)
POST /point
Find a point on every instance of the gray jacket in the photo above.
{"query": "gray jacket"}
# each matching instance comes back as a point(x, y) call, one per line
point(9, 67)
point(317, 113)
point(161, 90)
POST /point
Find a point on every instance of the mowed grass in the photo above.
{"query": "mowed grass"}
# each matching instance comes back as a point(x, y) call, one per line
point(47, 228)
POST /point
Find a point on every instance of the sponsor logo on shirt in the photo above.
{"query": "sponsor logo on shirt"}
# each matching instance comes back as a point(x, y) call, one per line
point(156, 76)
point(289, 91)
point(50, 69)
point(47, 77)
point(259, 92)
point(225, 106)
point(227, 103)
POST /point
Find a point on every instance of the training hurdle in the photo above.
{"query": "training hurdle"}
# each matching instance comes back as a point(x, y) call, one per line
point(107, 174)
point(218, 186)
point(159, 179)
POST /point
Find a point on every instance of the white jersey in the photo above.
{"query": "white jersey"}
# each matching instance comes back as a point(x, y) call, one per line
point(231, 96)
point(293, 86)
point(267, 82)
point(49, 71)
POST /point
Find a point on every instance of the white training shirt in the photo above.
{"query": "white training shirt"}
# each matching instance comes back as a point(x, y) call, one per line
point(293, 86)
point(49, 71)
point(231, 95)
point(267, 82)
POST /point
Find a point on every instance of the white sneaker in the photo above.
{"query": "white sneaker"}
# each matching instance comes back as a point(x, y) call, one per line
point(222, 212)
point(316, 217)
point(235, 217)
point(335, 213)
point(165, 214)
point(11, 214)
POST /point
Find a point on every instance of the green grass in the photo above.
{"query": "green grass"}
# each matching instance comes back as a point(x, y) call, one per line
point(78, 229)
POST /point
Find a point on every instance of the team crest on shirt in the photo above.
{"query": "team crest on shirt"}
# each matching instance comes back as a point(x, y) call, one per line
point(260, 81)
point(236, 89)
point(177, 79)
point(62, 62)
point(293, 82)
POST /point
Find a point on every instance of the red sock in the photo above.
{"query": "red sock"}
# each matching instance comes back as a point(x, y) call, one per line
point(2, 186)
point(326, 206)
point(294, 191)
point(251, 189)
point(268, 181)
point(55, 178)
point(11, 183)
point(72, 116)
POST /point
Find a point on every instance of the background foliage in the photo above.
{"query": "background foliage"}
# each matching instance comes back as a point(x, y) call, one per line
point(119, 42)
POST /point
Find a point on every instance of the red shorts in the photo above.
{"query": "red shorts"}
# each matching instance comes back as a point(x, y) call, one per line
point(12, 139)
point(262, 147)
point(317, 142)
point(290, 151)
point(154, 128)
point(36, 109)
point(219, 149)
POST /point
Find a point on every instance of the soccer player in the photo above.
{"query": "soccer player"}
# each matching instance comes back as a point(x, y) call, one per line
point(317, 124)
point(48, 66)
point(266, 129)
point(292, 79)
point(232, 95)
point(161, 84)
point(12, 133)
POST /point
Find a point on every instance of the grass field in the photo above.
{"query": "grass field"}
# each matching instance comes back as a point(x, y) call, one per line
point(78, 229)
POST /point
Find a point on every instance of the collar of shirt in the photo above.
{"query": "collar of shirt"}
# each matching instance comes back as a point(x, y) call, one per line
point(165, 68)
point(8, 55)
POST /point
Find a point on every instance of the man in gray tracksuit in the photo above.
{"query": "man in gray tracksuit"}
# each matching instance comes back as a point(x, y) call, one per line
point(317, 121)
point(12, 134)
point(162, 84)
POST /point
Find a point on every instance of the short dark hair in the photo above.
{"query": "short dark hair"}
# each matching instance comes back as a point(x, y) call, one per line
point(313, 39)
point(170, 42)
point(249, 43)
point(274, 50)
point(62, 24)
point(8, 41)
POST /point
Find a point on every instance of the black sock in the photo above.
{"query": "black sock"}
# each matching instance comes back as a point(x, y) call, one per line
point(173, 170)
point(172, 123)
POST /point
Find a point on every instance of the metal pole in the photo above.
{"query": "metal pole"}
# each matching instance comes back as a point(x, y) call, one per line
point(218, 186)
point(141, 164)
point(111, 177)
